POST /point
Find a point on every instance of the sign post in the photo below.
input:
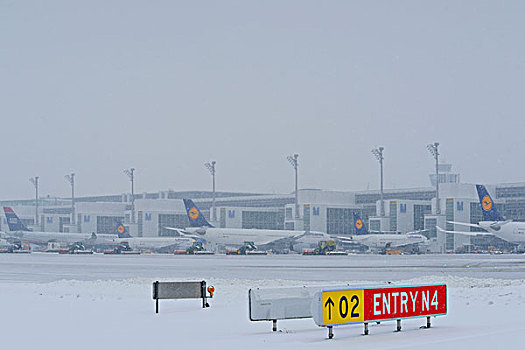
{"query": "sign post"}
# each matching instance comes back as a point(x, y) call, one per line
point(335, 307)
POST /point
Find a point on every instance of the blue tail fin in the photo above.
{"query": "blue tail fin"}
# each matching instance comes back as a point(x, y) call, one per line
point(13, 221)
point(359, 225)
point(194, 215)
point(488, 207)
point(122, 231)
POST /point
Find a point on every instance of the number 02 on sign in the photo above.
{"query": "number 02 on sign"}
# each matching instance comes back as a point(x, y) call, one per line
point(343, 306)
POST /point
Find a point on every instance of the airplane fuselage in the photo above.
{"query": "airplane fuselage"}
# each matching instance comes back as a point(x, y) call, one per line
point(235, 237)
point(138, 243)
point(42, 238)
point(153, 243)
point(513, 232)
point(382, 241)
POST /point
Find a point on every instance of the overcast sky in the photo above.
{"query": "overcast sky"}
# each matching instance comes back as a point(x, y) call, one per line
point(95, 87)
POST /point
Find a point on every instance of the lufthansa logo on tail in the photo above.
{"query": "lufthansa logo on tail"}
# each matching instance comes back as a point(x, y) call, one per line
point(359, 224)
point(121, 229)
point(193, 213)
point(486, 203)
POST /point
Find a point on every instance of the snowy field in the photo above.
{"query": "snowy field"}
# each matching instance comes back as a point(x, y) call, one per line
point(88, 302)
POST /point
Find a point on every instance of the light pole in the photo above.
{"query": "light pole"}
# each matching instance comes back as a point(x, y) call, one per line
point(433, 149)
point(71, 179)
point(378, 152)
point(131, 174)
point(294, 163)
point(34, 181)
point(211, 168)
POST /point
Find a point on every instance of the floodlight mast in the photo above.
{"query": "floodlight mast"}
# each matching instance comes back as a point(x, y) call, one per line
point(34, 181)
point(294, 163)
point(211, 168)
point(131, 174)
point(378, 153)
point(71, 179)
point(433, 149)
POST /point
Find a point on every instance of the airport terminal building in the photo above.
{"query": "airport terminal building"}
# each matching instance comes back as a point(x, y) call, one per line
point(405, 210)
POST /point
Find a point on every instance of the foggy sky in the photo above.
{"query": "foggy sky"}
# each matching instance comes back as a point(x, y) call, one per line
point(95, 87)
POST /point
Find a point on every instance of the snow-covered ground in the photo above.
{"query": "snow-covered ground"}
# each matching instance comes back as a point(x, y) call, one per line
point(88, 302)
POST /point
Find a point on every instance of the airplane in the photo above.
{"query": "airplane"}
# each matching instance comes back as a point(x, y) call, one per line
point(153, 243)
point(236, 237)
point(19, 231)
point(493, 222)
point(381, 241)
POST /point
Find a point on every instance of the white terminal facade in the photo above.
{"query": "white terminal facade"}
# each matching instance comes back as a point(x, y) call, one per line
point(406, 210)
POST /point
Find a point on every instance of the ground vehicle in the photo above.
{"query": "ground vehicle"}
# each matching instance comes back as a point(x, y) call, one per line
point(248, 248)
point(197, 248)
point(323, 248)
point(75, 248)
point(15, 247)
point(122, 248)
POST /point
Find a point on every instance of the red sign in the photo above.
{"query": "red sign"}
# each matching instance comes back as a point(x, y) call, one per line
point(403, 302)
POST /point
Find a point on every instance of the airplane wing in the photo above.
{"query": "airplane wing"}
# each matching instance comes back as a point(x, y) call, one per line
point(284, 240)
point(185, 234)
point(501, 223)
point(464, 224)
point(417, 232)
point(181, 232)
point(8, 238)
point(464, 232)
point(348, 239)
point(404, 244)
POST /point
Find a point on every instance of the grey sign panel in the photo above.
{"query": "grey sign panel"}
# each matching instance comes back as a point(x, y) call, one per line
point(178, 290)
point(269, 304)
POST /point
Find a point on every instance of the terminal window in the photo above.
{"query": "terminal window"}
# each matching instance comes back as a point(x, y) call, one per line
point(419, 215)
point(262, 220)
point(449, 212)
point(171, 220)
point(340, 221)
point(393, 216)
point(430, 226)
point(108, 224)
point(475, 216)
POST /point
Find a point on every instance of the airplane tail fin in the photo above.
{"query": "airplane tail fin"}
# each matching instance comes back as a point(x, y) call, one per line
point(13, 221)
point(359, 225)
point(194, 215)
point(122, 231)
point(488, 207)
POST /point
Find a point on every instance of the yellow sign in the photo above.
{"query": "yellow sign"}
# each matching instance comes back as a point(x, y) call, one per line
point(194, 213)
point(121, 229)
point(359, 224)
point(486, 203)
point(343, 306)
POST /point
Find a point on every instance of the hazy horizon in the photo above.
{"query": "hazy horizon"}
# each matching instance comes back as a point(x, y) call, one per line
point(97, 87)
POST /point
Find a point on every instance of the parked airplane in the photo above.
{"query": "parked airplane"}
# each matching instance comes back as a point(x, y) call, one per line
point(493, 222)
point(220, 238)
point(381, 241)
point(19, 231)
point(153, 243)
